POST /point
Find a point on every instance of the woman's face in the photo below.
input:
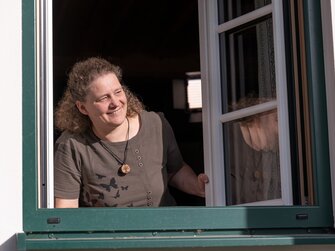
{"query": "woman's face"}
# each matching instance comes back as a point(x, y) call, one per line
point(105, 104)
point(261, 133)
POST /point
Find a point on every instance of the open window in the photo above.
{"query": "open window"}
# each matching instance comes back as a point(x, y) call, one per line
point(152, 55)
point(247, 53)
point(254, 104)
point(260, 131)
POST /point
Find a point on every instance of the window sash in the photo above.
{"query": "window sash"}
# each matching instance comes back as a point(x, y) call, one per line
point(174, 218)
point(214, 135)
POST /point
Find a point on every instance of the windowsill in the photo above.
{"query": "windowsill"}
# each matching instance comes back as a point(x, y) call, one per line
point(87, 241)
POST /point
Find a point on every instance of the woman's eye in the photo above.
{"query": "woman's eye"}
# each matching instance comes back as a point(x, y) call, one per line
point(104, 98)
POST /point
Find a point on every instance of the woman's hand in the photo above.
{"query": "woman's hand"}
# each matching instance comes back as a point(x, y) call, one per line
point(187, 181)
point(202, 181)
point(66, 203)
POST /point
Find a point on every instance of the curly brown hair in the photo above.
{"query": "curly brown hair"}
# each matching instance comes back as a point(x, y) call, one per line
point(83, 73)
point(251, 100)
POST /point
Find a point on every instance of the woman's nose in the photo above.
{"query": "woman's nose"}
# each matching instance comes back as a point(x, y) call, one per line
point(113, 102)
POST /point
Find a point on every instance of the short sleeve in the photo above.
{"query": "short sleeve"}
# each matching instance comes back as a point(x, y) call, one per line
point(67, 174)
point(174, 157)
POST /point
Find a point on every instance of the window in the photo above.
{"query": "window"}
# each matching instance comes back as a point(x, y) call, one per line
point(194, 97)
point(258, 93)
point(251, 70)
point(228, 47)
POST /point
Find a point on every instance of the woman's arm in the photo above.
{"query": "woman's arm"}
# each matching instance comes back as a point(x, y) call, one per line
point(187, 181)
point(66, 203)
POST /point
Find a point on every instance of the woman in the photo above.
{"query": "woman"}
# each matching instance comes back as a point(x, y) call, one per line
point(112, 152)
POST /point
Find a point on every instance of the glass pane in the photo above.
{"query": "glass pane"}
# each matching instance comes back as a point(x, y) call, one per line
point(252, 159)
point(231, 9)
point(249, 59)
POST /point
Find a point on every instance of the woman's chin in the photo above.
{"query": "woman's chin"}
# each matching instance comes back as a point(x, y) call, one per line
point(266, 147)
point(116, 120)
point(270, 147)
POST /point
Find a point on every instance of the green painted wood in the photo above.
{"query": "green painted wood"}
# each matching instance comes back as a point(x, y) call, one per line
point(169, 240)
point(29, 112)
point(132, 219)
point(318, 105)
point(181, 218)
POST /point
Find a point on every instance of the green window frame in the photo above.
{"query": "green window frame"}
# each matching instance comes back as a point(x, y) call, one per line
point(175, 226)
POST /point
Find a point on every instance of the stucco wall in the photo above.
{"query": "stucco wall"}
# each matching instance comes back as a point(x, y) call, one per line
point(11, 123)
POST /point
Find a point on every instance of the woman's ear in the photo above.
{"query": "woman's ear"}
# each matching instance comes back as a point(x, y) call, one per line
point(81, 107)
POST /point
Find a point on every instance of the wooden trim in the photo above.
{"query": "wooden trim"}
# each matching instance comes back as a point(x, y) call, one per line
point(305, 109)
point(303, 135)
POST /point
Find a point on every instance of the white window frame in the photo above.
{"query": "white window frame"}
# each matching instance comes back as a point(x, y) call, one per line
point(45, 110)
point(212, 113)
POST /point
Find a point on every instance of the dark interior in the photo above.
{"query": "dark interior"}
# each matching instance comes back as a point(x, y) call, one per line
point(153, 41)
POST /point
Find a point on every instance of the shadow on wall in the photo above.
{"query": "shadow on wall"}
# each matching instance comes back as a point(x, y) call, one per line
point(9, 245)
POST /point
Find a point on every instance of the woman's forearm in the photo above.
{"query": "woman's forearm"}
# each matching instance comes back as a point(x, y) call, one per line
point(187, 181)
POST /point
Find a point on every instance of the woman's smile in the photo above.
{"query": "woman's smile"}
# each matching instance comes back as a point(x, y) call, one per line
point(106, 103)
point(115, 112)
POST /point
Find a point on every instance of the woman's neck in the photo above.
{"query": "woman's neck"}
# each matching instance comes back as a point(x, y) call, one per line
point(116, 134)
point(127, 130)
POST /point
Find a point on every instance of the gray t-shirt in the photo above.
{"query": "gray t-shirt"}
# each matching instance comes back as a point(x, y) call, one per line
point(84, 169)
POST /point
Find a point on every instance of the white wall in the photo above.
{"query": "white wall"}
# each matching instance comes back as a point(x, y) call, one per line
point(10, 123)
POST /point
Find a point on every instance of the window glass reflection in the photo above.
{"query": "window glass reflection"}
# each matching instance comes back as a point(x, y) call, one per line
point(252, 159)
point(249, 57)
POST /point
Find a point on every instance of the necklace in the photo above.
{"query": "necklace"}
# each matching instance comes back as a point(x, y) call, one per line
point(124, 168)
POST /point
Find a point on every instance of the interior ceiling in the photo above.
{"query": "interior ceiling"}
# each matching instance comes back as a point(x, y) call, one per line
point(146, 38)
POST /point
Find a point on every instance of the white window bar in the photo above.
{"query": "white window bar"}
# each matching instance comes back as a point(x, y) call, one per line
point(281, 87)
point(245, 18)
point(248, 111)
point(45, 70)
point(211, 104)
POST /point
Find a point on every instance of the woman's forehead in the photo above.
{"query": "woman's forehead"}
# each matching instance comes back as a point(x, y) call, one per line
point(108, 80)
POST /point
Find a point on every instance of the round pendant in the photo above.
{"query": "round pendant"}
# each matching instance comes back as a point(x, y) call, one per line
point(125, 168)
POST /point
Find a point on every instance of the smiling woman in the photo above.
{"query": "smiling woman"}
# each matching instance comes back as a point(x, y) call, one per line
point(155, 43)
point(113, 153)
point(68, 116)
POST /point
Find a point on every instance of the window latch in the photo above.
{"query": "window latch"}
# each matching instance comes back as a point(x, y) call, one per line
point(301, 216)
point(53, 220)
